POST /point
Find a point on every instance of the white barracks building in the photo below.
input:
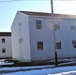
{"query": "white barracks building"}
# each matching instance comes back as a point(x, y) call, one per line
point(33, 38)
point(5, 45)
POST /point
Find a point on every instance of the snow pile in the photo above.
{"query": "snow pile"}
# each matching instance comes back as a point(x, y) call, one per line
point(65, 73)
point(3, 63)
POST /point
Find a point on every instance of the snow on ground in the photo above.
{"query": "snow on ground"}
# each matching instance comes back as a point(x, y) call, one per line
point(25, 68)
point(2, 62)
point(42, 70)
point(50, 71)
point(65, 73)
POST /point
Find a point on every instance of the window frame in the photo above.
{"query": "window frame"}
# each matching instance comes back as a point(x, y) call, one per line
point(40, 45)
point(57, 26)
point(58, 45)
point(38, 25)
point(74, 43)
point(73, 27)
point(3, 40)
point(3, 50)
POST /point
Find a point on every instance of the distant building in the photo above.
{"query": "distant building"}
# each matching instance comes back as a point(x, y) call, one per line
point(5, 45)
point(33, 40)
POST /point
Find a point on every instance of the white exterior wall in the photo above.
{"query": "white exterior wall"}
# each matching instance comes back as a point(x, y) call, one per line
point(7, 45)
point(45, 34)
point(66, 36)
point(21, 51)
point(27, 50)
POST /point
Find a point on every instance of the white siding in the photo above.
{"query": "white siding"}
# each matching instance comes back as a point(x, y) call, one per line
point(27, 50)
point(21, 51)
point(7, 45)
point(45, 34)
point(66, 35)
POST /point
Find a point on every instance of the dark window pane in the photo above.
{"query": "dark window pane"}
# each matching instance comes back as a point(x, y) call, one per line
point(3, 50)
point(74, 43)
point(57, 26)
point(40, 45)
point(58, 45)
point(38, 24)
point(3, 40)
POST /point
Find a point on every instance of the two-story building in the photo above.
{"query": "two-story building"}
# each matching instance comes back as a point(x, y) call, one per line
point(5, 45)
point(33, 36)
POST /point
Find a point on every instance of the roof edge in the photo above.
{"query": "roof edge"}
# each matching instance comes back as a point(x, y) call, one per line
point(47, 14)
point(5, 33)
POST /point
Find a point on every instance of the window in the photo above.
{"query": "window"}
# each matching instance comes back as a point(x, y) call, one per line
point(3, 40)
point(38, 24)
point(74, 43)
point(57, 26)
point(40, 45)
point(3, 50)
point(73, 27)
point(58, 45)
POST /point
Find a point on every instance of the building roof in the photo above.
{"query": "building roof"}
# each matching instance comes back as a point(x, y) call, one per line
point(5, 33)
point(35, 13)
point(47, 14)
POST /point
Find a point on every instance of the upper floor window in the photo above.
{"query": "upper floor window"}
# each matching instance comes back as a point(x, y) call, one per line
point(57, 26)
point(40, 45)
point(3, 40)
point(74, 43)
point(73, 27)
point(38, 24)
point(58, 45)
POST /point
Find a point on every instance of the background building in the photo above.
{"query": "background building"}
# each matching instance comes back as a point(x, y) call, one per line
point(5, 45)
point(33, 40)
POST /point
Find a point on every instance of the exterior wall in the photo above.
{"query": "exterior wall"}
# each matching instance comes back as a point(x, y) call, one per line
point(7, 45)
point(45, 34)
point(25, 37)
point(20, 38)
point(66, 36)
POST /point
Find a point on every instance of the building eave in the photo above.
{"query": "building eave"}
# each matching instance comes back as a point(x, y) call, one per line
point(47, 14)
point(5, 34)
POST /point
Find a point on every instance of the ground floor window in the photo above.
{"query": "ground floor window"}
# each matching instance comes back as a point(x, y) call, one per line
point(58, 45)
point(39, 45)
point(74, 43)
point(3, 50)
